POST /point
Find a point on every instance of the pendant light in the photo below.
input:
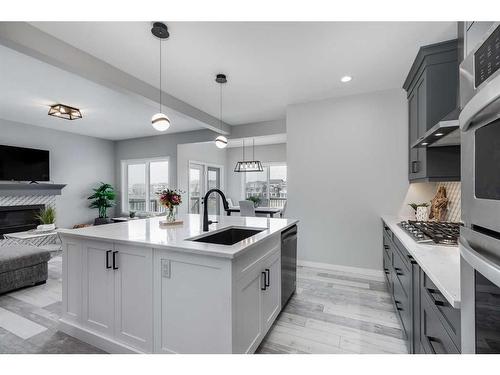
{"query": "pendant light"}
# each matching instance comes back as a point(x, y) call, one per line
point(249, 165)
point(160, 121)
point(220, 141)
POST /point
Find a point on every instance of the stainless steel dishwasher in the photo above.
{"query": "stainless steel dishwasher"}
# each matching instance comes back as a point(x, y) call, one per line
point(288, 263)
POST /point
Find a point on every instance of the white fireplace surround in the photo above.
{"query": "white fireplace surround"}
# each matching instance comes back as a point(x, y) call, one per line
point(19, 194)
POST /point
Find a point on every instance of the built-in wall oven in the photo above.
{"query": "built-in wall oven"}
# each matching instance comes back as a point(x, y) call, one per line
point(480, 237)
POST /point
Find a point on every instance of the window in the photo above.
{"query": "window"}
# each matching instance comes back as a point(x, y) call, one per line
point(141, 180)
point(269, 185)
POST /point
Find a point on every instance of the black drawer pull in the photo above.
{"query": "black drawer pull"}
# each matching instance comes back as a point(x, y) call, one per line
point(437, 302)
point(115, 267)
point(264, 287)
point(108, 252)
point(398, 271)
point(386, 247)
point(412, 260)
point(268, 277)
point(397, 305)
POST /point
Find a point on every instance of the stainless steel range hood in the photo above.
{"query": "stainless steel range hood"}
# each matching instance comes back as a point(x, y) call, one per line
point(445, 133)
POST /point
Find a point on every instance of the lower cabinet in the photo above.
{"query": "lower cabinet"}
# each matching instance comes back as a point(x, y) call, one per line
point(430, 324)
point(117, 293)
point(258, 302)
point(123, 298)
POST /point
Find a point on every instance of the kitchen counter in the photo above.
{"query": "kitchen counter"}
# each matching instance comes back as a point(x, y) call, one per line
point(147, 232)
point(136, 287)
point(440, 263)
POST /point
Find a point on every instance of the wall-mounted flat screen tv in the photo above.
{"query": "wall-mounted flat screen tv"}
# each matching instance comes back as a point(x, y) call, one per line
point(23, 164)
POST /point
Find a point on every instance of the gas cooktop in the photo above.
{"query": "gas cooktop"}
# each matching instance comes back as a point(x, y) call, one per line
point(432, 232)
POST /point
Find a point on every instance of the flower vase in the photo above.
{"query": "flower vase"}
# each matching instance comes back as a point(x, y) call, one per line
point(422, 214)
point(171, 214)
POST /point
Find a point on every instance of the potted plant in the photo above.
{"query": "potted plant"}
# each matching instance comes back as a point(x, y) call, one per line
point(170, 199)
point(103, 198)
point(47, 218)
point(256, 200)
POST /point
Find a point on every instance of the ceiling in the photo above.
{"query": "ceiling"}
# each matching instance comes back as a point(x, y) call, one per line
point(269, 64)
point(31, 86)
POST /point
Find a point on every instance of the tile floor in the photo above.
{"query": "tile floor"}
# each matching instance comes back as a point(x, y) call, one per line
point(332, 312)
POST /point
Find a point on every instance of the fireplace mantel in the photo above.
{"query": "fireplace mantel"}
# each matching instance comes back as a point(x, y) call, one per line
point(27, 189)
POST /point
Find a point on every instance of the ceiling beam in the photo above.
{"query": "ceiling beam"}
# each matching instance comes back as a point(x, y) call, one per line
point(33, 42)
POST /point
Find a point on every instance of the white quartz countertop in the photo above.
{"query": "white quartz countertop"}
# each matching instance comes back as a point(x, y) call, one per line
point(148, 233)
point(440, 263)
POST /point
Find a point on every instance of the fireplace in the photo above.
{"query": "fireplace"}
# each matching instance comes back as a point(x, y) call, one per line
point(18, 218)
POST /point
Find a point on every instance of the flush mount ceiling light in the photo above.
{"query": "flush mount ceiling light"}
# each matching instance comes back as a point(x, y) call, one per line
point(345, 79)
point(160, 121)
point(248, 165)
point(220, 141)
point(65, 112)
point(438, 134)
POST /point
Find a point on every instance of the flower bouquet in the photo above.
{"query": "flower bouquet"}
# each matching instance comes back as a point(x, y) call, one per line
point(170, 199)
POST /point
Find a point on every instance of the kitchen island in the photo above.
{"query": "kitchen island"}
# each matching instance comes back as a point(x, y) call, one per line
point(137, 287)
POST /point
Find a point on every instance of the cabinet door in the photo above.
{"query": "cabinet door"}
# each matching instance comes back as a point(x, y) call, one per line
point(413, 133)
point(72, 279)
point(271, 296)
point(134, 296)
point(421, 94)
point(249, 326)
point(98, 287)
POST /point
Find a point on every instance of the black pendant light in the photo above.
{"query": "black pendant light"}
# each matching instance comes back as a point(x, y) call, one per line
point(160, 121)
point(220, 141)
point(249, 165)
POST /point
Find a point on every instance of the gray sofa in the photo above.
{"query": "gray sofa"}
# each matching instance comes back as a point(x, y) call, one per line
point(22, 266)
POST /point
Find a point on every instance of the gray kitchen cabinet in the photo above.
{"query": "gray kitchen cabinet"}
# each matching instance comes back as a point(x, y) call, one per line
point(430, 324)
point(432, 89)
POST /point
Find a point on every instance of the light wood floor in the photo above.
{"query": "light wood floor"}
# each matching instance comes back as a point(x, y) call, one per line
point(336, 312)
point(332, 312)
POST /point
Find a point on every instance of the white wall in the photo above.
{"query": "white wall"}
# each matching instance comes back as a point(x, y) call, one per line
point(265, 153)
point(347, 165)
point(205, 152)
point(80, 162)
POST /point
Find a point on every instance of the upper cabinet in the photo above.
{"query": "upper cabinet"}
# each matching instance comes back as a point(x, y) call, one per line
point(432, 87)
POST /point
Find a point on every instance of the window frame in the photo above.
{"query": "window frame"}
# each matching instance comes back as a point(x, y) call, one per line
point(124, 180)
point(267, 165)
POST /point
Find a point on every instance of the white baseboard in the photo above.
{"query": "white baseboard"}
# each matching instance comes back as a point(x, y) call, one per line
point(338, 267)
point(95, 339)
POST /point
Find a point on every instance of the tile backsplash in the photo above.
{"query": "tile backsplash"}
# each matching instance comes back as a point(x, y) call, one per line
point(422, 192)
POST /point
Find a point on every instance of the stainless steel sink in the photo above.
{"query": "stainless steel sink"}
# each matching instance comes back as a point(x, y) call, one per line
point(228, 236)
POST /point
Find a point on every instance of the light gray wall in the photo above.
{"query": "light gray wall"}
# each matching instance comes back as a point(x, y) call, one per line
point(266, 154)
point(80, 162)
point(205, 152)
point(347, 165)
point(157, 146)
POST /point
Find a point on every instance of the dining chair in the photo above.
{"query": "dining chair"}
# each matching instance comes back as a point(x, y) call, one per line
point(283, 210)
point(247, 208)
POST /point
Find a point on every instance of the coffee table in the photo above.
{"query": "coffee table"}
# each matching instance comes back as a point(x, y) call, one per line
point(37, 239)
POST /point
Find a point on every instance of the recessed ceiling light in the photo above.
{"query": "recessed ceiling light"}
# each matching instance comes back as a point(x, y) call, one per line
point(65, 112)
point(438, 134)
point(345, 79)
point(424, 144)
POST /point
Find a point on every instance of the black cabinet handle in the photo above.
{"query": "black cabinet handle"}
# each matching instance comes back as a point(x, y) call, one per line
point(268, 277)
point(398, 271)
point(107, 259)
point(436, 301)
point(412, 260)
point(265, 281)
point(114, 260)
point(397, 306)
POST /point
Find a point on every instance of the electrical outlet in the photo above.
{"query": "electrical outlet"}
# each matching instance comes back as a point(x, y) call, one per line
point(165, 268)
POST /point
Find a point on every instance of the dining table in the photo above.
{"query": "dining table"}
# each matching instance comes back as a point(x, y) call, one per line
point(270, 211)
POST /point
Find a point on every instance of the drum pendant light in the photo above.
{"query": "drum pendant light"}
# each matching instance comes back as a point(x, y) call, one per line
point(220, 141)
point(160, 121)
